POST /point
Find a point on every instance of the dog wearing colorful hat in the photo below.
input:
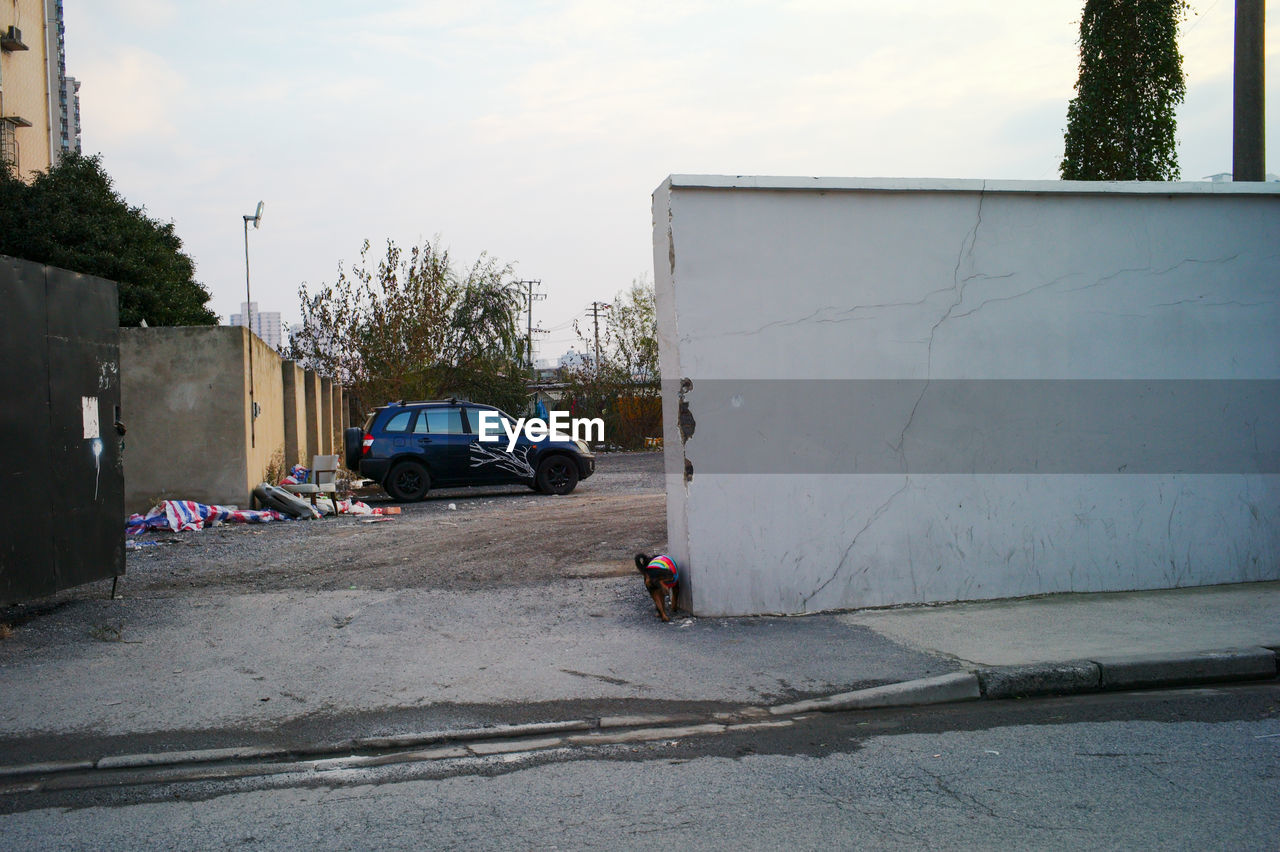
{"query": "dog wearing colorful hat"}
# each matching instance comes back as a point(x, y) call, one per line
point(661, 577)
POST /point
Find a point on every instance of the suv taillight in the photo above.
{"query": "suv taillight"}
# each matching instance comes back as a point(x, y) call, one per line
point(368, 444)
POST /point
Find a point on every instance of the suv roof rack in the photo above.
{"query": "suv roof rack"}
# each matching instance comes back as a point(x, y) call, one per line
point(453, 400)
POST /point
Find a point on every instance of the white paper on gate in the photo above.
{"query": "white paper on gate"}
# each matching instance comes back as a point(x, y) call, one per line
point(89, 407)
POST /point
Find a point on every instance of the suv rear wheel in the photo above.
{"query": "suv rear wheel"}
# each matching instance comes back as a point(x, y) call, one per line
point(557, 475)
point(408, 481)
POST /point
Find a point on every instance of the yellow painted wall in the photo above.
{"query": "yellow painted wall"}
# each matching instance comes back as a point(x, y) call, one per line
point(295, 414)
point(265, 443)
point(24, 83)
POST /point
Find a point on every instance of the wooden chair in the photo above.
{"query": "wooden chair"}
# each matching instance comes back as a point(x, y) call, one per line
point(323, 479)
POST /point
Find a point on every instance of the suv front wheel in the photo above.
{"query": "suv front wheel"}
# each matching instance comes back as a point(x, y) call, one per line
point(408, 481)
point(557, 475)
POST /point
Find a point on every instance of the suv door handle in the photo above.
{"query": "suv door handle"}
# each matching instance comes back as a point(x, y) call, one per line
point(424, 440)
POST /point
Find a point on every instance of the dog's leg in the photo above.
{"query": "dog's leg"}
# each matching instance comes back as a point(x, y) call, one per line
point(656, 594)
point(675, 598)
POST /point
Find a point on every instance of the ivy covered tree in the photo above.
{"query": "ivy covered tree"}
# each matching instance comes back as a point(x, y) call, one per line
point(1121, 124)
point(72, 217)
point(413, 327)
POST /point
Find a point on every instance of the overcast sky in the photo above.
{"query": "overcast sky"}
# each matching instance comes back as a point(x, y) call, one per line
point(537, 131)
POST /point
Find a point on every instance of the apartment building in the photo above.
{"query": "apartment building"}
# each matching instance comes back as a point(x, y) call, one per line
point(39, 104)
point(266, 324)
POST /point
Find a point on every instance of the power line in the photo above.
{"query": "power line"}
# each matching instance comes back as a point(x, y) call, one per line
point(1200, 16)
point(560, 326)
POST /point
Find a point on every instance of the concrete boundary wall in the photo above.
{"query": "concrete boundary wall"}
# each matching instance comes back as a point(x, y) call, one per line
point(312, 397)
point(295, 413)
point(904, 391)
point(325, 412)
point(264, 436)
point(339, 400)
point(184, 398)
point(192, 436)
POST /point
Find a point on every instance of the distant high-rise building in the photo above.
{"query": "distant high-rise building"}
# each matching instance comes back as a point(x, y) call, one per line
point(266, 325)
point(71, 115)
point(63, 135)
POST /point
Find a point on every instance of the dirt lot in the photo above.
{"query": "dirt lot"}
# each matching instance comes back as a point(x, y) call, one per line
point(460, 539)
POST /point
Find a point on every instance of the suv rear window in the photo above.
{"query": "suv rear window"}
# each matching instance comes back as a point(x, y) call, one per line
point(399, 422)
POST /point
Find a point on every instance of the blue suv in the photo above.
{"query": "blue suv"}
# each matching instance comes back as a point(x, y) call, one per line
point(412, 447)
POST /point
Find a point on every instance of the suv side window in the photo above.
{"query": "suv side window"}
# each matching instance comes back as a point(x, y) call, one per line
point(439, 421)
point(399, 423)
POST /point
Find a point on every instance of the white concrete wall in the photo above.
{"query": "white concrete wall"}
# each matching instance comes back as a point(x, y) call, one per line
point(912, 391)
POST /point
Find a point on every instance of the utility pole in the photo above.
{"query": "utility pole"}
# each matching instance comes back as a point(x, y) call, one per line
point(530, 298)
point(596, 308)
point(1248, 158)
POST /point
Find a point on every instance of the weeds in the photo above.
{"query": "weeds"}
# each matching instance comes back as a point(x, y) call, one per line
point(275, 468)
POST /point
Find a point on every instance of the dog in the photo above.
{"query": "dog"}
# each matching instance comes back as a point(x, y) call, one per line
point(660, 578)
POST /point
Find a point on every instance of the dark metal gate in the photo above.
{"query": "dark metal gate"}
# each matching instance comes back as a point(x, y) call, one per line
point(62, 504)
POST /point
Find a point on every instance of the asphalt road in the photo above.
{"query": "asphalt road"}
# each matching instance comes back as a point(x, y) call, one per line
point(1191, 769)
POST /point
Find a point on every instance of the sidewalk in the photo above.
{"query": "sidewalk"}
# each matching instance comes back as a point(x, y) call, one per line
point(293, 670)
point(1068, 627)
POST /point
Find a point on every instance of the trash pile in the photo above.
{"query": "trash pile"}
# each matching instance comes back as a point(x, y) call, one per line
point(296, 476)
point(180, 515)
point(185, 515)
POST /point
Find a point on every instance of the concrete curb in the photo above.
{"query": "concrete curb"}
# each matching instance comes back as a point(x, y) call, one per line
point(1127, 672)
point(993, 682)
point(1064, 678)
point(958, 686)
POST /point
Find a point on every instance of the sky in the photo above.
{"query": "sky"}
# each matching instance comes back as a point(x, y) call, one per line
point(537, 130)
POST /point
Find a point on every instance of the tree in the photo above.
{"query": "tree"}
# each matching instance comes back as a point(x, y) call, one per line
point(633, 335)
point(623, 388)
point(1121, 124)
point(411, 327)
point(72, 217)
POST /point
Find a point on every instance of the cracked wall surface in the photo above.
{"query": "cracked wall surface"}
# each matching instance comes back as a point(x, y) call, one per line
point(916, 391)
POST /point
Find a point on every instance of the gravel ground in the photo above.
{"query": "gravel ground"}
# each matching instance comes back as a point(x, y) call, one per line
point(466, 538)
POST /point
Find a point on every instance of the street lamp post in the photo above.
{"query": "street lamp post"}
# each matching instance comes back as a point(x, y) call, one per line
point(256, 219)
